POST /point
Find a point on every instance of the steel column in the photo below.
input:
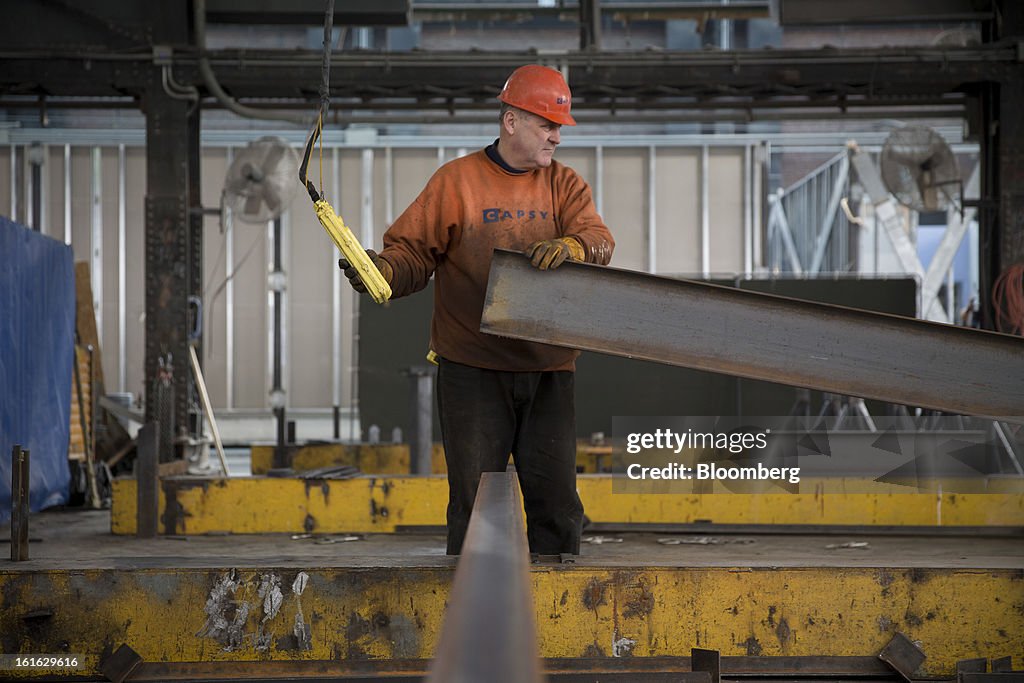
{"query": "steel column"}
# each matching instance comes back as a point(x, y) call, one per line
point(122, 254)
point(173, 256)
point(421, 418)
point(1011, 174)
point(194, 257)
point(652, 209)
point(19, 503)
point(147, 501)
point(705, 214)
point(757, 336)
point(67, 194)
point(229, 297)
point(590, 25)
point(336, 298)
point(748, 220)
point(96, 237)
point(278, 396)
point(1010, 145)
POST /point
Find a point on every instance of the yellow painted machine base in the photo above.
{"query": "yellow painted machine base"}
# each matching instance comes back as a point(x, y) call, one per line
point(388, 458)
point(308, 602)
point(190, 505)
point(316, 613)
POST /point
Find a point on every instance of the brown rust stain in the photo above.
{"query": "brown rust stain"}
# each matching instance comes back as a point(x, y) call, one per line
point(918, 575)
point(753, 647)
point(594, 595)
point(640, 603)
point(784, 634)
point(885, 579)
point(174, 514)
point(912, 619)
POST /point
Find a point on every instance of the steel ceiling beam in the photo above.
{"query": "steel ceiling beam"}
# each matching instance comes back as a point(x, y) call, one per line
point(309, 12)
point(757, 336)
point(601, 78)
point(570, 11)
point(845, 12)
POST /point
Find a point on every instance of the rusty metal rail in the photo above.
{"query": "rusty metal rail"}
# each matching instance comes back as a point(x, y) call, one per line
point(489, 632)
point(758, 336)
point(569, 670)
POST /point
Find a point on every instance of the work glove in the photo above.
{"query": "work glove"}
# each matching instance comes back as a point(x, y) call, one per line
point(353, 275)
point(549, 254)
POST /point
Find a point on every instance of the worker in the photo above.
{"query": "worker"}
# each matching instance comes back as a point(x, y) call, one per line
point(498, 396)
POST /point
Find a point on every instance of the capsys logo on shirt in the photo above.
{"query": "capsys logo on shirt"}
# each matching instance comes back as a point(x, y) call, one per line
point(498, 214)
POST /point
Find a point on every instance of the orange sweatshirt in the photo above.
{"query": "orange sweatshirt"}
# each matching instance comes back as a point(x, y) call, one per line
point(470, 207)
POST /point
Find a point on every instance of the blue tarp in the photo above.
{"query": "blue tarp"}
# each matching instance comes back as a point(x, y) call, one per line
point(37, 338)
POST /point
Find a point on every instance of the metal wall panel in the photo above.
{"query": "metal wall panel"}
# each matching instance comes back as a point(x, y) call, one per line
point(53, 172)
point(215, 308)
point(380, 196)
point(135, 286)
point(625, 205)
point(412, 170)
point(579, 159)
point(81, 202)
point(725, 168)
point(313, 361)
point(309, 302)
point(677, 188)
point(5, 180)
point(348, 204)
point(110, 196)
point(250, 316)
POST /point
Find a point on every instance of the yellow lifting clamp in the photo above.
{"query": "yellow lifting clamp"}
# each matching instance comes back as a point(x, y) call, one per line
point(375, 283)
point(342, 235)
point(346, 240)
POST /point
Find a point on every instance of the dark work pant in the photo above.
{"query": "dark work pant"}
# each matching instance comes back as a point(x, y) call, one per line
point(487, 414)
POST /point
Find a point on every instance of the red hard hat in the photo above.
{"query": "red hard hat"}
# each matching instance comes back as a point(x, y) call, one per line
point(540, 90)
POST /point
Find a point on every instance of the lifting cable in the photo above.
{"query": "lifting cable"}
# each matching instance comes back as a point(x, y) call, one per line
point(343, 237)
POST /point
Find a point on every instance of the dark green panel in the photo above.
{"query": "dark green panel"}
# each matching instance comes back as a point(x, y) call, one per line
point(392, 338)
point(607, 386)
point(395, 336)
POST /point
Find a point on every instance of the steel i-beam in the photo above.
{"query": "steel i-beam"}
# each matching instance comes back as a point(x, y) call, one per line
point(757, 336)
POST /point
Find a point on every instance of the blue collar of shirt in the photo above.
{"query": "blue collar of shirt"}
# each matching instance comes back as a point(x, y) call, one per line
point(492, 153)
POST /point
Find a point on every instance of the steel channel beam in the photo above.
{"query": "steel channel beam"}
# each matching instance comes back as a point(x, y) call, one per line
point(489, 632)
point(310, 12)
point(675, 669)
point(902, 73)
point(757, 336)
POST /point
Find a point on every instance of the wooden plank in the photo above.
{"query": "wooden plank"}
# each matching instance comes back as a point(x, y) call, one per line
point(85, 324)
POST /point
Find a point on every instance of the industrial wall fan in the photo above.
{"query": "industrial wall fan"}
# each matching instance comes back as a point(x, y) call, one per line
point(260, 183)
point(920, 170)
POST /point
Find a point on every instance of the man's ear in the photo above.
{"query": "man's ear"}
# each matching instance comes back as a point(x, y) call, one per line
point(509, 121)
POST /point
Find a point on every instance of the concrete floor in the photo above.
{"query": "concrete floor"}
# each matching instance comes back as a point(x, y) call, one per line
point(77, 539)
